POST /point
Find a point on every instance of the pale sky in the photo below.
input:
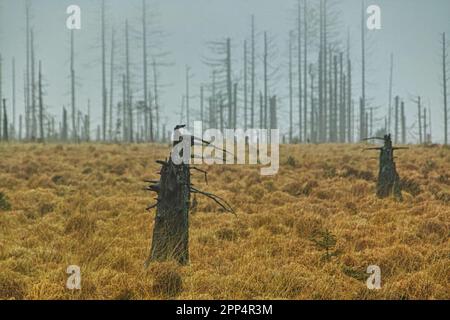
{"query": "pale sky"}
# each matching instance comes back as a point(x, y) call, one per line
point(411, 30)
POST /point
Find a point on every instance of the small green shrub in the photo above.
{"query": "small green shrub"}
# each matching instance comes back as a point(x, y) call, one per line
point(4, 202)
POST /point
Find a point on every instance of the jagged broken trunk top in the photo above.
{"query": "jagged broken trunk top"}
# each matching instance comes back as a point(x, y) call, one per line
point(388, 178)
point(171, 229)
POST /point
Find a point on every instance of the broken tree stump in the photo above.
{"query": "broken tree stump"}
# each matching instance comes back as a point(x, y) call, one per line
point(171, 230)
point(388, 183)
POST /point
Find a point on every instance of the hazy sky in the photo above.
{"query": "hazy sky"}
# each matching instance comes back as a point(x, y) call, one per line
point(410, 30)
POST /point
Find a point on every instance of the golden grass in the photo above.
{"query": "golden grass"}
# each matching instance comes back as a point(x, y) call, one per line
point(85, 205)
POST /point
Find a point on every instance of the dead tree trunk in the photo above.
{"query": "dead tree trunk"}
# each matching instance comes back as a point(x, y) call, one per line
point(72, 85)
point(397, 99)
point(299, 66)
point(1, 96)
point(14, 128)
point(290, 88)
point(419, 117)
point(171, 229)
point(33, 90)
point(444, 84)
point(252, 95)
point(363, 124)
point(403, 118)
point(5, 122)
point(111, 90)
point(104, 91)
point(41, 106)
point(388, 179)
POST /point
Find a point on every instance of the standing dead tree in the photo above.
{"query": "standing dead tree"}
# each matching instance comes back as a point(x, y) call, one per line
point(388, 179)
point(444, 85)
point(174, 189)
point(5, 122)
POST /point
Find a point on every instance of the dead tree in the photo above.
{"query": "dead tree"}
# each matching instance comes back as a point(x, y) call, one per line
point(14, 96)
point(104, 90)
point(72, 85)
point(363, 124)
point(1, 96)
point(291, 97)
point(419, 117)
point(174, 189)
point(444, 84)
point(252, 95)
point(299, 66)
point(388, 179)
point(403, 120)
point(33, 90)
point(5, 122)
point(41, 106)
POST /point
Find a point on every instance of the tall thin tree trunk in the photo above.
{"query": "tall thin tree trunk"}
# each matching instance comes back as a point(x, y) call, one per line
point(111, 84)
point(425, 131)
point(41, 106)
point(403, 116)
point(129, 106)
point(156, 98)
point(27, 75)
point(64, 127)
point(213, 106)
point(188, 98)
point(320, 120)
point(313, 126)
point(349, 94)
point(261, 110)
point(72, 80)
point(229, 84)
point(5, 122)
point(145, 67)
point(330, 97)
point(253, 76)
point(396, 119)
point(14, 96)
point(419, 117)
point(430, 139)
point(88, 121)
point(305, 67)
point(104, 92)
point(124, 109)
point(363, 124)
point(290, 88)
point(335, 100)
point(33, 90)
point(342, 116)
point(1, 96)
point(444, 83)
point(245, 87)
point(202, 99)
point(299, 66)
point(389, 125)
point(235, 108)
point(266, 85)
point(325, 72)
point(19, 133)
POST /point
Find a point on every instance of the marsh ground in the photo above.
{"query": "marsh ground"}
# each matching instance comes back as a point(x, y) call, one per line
point(85, 205)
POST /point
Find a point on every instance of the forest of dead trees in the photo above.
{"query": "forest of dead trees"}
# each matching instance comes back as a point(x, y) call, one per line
point(243, 90)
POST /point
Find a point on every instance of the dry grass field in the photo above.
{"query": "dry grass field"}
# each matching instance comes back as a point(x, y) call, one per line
point(85, 205)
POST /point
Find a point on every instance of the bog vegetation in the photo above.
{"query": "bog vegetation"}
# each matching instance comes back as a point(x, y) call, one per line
point(309, 232)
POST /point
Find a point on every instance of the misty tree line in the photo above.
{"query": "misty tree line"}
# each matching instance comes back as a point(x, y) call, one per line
point(133, 118)
point(317, 71)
